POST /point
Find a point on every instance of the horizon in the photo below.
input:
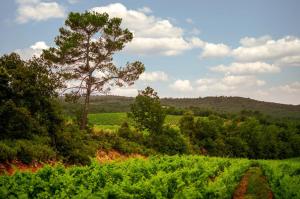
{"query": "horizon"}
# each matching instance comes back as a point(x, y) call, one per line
point(196, 49)
point(220, 96)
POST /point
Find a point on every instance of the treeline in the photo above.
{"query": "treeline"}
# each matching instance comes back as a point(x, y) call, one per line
point(244, 136)
point(206, 105)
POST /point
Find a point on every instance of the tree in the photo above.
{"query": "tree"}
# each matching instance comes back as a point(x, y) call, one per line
point(187, 124)
point(147, 111)
point(84, 54)
point(27, 93)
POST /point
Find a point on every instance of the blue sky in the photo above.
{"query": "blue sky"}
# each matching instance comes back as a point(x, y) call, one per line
point(190, 48)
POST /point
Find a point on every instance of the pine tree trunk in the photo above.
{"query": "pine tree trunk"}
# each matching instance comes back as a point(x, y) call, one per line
point(85, 109)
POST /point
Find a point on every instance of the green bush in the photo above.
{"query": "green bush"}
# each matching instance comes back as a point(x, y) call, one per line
point(130, 134)
point(170, 141)
point(7, 153)
point(26, 150)
point(74, 145)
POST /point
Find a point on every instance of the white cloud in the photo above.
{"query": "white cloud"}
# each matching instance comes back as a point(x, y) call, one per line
point(229, 84)
point(152, 35)
point(182, 86)
point(34, 50)
point(251, 41)
point(145, 9)
point(154, 76)
point(165, 46)
point(37, 10)
point(247, 68)
point(195, 42)
point(289, 61)
point(268, 50)
point(290, 88)
point(215, 50)
point(129, 92)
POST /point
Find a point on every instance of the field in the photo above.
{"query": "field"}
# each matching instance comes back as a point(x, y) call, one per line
point(156, 177)
point(112, 121)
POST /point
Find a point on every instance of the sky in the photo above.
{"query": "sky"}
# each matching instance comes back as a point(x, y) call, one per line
point(191, 48)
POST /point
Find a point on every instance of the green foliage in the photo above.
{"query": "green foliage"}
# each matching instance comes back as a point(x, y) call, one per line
point(187, 125)
point(170, 141)
point(38, 149)
point(75, 146)
point(147, 112)
point(283, 177)
point(125, 141)
point(156, 177)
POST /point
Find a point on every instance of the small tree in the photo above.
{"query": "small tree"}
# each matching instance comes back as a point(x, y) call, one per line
point(84, 54)
point(147, 111)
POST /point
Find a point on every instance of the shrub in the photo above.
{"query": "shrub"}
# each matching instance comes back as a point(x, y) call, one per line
point(170, 141)
point(130, 134)
point(7, 153)
point(73, 145)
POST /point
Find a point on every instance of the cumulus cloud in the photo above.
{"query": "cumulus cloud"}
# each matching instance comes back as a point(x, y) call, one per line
point(289, 61)
point(228, 84)
point(247, 68)
point(293, 87)
point(154, 76)
point(145, 9)
point(267, 49)
point(252, 41)
point(215, 50)
point(37, 10)
point(34, 50)
point(182, 85)
point(129, 92)
point(152, 35)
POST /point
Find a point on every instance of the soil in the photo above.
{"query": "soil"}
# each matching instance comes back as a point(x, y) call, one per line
point(253, 185)
point(113, 155)
point(12, 167)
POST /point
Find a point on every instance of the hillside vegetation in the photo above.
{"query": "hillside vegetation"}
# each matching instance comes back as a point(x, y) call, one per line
point(100, 104)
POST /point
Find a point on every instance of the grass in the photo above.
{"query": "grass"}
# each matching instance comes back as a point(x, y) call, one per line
point(113, 120)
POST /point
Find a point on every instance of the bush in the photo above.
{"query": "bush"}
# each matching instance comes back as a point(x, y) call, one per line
point(26, 150)
point(170, 141)
point(74, 145)
point(132, 135)
point(7, 153)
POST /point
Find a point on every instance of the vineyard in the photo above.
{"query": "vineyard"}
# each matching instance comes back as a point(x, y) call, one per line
point(155, 177)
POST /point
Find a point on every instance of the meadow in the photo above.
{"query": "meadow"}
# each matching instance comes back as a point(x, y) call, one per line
point(112, 121)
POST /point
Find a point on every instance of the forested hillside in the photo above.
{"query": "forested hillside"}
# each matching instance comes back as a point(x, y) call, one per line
point(218, 104)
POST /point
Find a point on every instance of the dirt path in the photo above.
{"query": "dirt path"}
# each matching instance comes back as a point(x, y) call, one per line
point(253, 186)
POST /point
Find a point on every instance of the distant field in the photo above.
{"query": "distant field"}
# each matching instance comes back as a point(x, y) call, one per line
point(112, 120)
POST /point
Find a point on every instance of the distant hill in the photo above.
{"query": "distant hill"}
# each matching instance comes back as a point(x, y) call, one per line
point(111, 103)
